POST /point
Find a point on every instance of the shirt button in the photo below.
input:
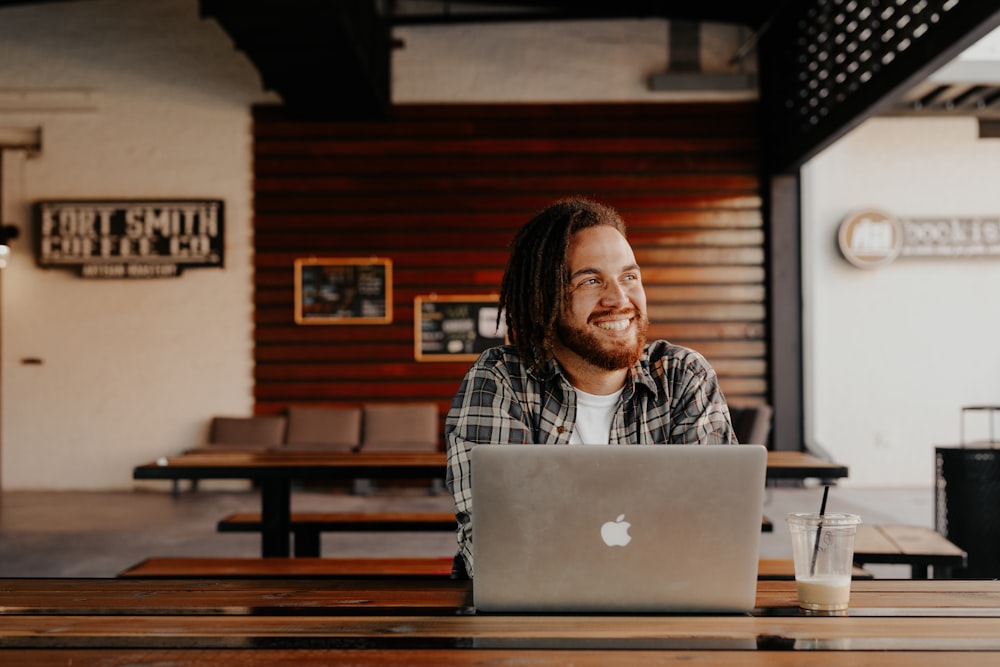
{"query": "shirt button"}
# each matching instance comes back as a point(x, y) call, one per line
point(560, 429)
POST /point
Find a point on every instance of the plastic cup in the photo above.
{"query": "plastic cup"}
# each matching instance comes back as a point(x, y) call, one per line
point(823, 550)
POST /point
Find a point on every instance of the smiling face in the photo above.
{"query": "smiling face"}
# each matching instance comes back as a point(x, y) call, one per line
point(602, 325)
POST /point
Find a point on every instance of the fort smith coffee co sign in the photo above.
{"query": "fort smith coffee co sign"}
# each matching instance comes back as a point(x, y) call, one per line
point(871, 238)
point(130, 239)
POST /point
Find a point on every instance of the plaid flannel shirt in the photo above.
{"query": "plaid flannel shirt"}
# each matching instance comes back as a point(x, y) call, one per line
point(671, 396)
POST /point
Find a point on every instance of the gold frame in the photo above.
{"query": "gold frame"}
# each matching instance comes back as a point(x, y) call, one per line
point(344, 278)
point(464, 354)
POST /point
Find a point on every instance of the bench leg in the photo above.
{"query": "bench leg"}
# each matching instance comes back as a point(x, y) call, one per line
point(275, 515)
point(306, 543)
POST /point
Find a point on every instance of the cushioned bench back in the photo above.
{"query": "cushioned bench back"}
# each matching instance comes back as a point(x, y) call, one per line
point(400, 427)
point(752, 423)
point(323, 428)
point(258, 432)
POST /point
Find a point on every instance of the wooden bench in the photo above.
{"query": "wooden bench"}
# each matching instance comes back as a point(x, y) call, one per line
point(184, 567)
point(920, 548)
point(307, 526)
point(784, 569)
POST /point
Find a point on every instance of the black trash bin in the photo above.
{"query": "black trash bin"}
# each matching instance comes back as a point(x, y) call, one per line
point(967, 502)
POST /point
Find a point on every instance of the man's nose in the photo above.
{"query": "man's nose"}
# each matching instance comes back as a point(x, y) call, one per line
point(614, 293)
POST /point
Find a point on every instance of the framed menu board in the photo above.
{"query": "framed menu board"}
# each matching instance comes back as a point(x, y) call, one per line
point(343, 290)
point(455, 327)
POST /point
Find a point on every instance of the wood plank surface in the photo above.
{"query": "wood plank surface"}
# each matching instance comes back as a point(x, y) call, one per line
point(919, 547)
point(461, 657)
point(784, 568)
point(355, 521)
point(226, 631)
point(335, 596)
point(185, 567)
point(117, 622)
point(780, 464)
point(182, 567)
point(896, 540)
point(441, 190)
point(800, 464)
point(896, 594)
point(232, 596)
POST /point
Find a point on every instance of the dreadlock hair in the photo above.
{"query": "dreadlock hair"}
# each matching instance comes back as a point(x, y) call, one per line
point(535, 281)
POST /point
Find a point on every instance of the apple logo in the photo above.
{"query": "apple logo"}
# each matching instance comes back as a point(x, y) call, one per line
point(615, 533)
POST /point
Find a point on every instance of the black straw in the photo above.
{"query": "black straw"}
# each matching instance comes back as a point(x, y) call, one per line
point(819, 528)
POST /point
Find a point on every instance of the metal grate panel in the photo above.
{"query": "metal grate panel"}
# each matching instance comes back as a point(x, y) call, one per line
point(828, 64)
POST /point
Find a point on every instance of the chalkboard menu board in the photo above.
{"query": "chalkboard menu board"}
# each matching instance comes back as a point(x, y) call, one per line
point(455, 327)
point(343, 290)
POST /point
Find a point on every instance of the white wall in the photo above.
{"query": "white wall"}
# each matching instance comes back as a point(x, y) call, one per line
point(131, 369)
point(894, 353)
point(563, 61)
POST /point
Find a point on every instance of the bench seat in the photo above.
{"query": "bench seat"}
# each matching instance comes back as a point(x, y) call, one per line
point(186, 567)
point(307, 526)
point(219, 567)
point(919, 547)
point(784, 569)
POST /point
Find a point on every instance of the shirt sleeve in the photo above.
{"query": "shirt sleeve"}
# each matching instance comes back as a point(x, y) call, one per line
point(484, 411)
point(698, 407)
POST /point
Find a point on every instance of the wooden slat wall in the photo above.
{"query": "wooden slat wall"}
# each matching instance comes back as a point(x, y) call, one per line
point(441, 189)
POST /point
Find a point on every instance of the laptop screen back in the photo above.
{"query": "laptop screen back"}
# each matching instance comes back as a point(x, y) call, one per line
point(670, 528)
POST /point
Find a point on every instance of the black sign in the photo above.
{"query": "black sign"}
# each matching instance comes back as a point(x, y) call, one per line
point(456, 328)
point(130, 239)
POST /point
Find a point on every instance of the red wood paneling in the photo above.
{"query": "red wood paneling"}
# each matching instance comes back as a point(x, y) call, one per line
point(440, 190)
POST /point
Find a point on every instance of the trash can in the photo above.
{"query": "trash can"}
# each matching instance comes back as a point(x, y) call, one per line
point(967, 500)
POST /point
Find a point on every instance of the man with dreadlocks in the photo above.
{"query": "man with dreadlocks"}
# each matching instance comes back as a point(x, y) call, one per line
point(579, 369)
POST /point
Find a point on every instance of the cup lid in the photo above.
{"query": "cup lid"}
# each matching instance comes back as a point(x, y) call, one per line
point(827, 519)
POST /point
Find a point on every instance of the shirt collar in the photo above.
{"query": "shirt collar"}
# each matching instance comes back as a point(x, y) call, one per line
point(639, 374)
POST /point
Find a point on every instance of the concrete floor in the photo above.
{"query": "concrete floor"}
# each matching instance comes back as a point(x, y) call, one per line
point(99, 534)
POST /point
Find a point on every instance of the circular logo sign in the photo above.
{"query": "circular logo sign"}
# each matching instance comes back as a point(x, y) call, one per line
point(870, 238)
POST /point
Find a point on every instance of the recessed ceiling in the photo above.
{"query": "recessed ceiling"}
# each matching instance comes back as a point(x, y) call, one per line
point(968, 86)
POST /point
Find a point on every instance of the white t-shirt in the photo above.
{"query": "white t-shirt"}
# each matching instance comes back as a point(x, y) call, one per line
point(593, 418)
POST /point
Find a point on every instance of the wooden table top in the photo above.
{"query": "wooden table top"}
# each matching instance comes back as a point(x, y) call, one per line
point(439, 595)
point(798, 465)
point(427, 621)
point(293, 465)
point(311, 465)
point(461, 657)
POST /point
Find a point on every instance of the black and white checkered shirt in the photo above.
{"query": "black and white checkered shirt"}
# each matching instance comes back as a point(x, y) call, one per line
point(671, 396)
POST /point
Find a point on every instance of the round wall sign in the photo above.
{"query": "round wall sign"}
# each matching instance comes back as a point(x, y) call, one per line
point(870, 238)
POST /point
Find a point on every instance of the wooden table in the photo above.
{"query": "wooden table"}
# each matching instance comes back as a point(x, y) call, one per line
point(274, 472)
point(919, 547)
point(428, 621)
point(801, 465)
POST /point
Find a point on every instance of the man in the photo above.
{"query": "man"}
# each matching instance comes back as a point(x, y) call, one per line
point(579, 370)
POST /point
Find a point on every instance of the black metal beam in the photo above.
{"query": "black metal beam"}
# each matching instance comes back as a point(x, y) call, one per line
point(825, 69)
point(325, 59)
point(784, 307)
point(742, 12)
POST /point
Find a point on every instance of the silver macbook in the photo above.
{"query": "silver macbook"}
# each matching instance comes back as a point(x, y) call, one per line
point(606, 528)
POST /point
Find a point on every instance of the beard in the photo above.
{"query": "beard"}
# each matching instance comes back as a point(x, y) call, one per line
point(609, 355)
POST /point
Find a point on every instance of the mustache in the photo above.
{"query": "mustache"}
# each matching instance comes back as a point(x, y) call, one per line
point(627, 312)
